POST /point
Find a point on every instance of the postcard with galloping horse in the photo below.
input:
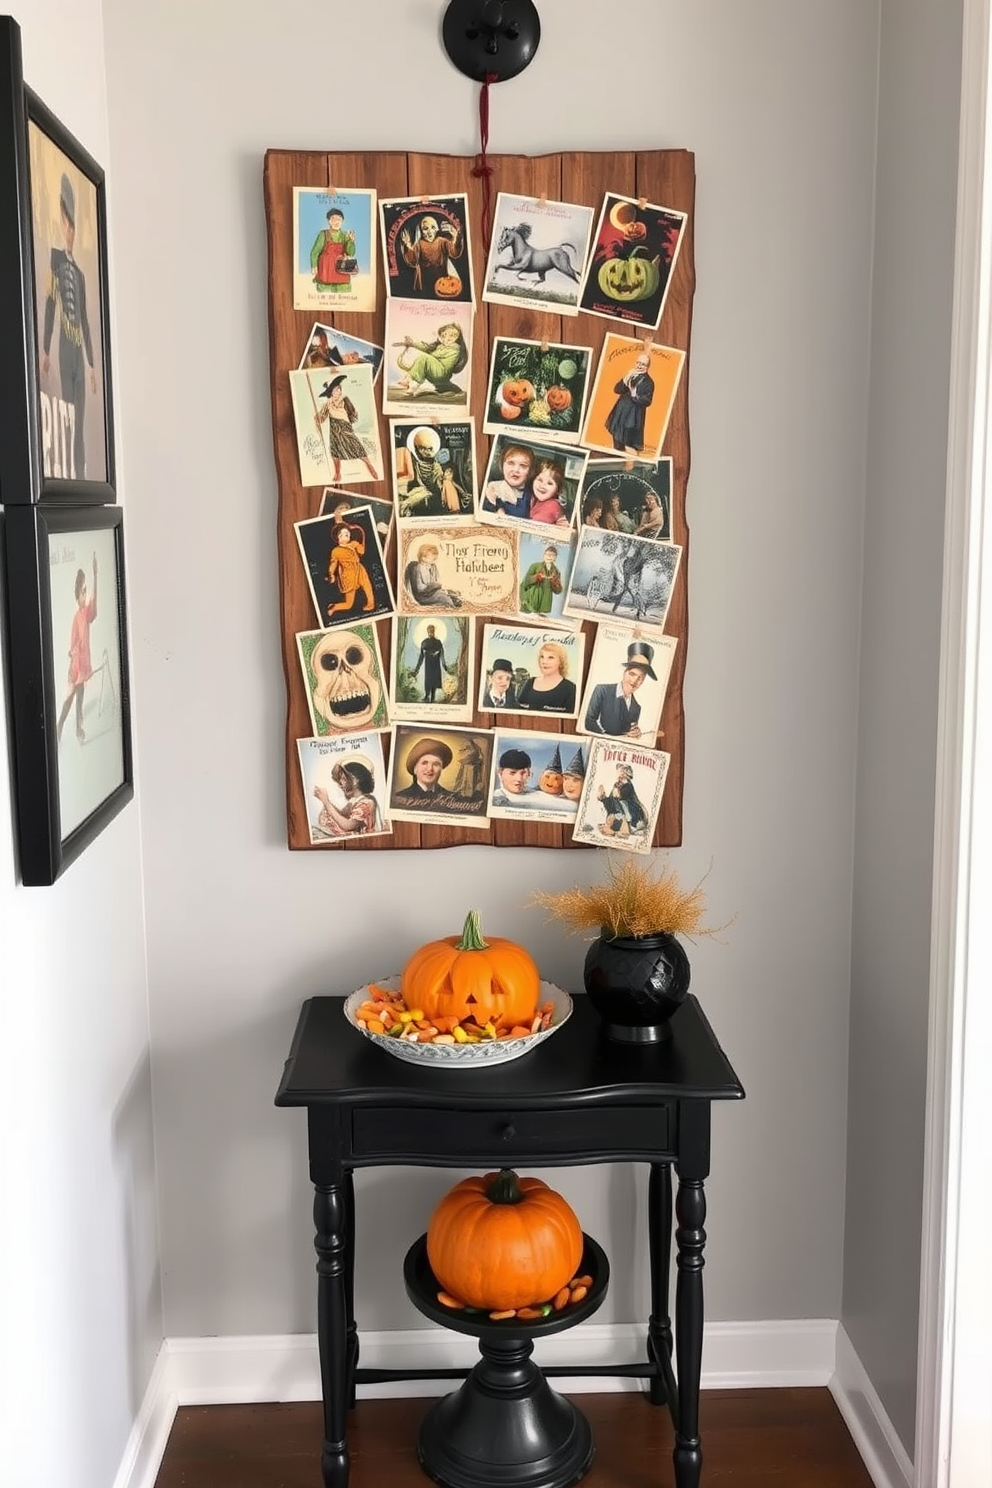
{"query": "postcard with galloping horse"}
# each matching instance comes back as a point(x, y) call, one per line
point(538, 254)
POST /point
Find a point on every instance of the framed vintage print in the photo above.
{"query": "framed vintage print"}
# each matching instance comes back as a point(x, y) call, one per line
point(56, 416)
point(69, 693)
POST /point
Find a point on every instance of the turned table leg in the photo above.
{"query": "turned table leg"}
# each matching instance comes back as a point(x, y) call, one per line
point(332, 1224)
point(660, 1250)
point(690, 1240)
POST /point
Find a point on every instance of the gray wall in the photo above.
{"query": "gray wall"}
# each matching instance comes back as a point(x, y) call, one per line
point(911, 318)
point(778, 103)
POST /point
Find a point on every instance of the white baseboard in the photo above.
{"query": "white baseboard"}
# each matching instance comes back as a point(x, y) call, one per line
point(885, 1457)
point(250, 1370)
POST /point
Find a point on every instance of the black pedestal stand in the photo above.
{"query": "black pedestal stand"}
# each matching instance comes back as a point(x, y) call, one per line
point(504, 1427)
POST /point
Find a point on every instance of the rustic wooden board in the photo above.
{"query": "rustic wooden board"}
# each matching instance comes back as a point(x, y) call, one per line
point(666, 177)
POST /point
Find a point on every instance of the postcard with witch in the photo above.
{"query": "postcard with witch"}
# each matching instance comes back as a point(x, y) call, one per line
point(537, 388)
point(425, 248)
point(623, 579)
point(633, 256)
point(624, 497)
point(432, 668)
point(621, 796)
point(428, 359)
point(344, 567)
point(344, 678)
point(344, 788)
point(544, 562)
point(538, 253)
point(439, 775)
point(530, 482)
point(337, 432)
point(434, 470)
point(627, 683)
point(632, 398)
point(334, 254)
point(467, 569)
point(328, 347)
point(537, 777)
point(544, 670)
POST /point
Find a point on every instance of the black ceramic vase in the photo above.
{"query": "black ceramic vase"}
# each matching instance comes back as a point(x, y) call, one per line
point(636, 983)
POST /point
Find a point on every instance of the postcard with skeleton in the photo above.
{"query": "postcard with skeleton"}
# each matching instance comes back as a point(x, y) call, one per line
point(538, 253)
point(344, 788)
point(630, 270)
point(334, 257)
point(544, 666)
point(344, 567)
point(472, 570)
point(537, 777)
point(431, 668)
point(621, 796)
point(623, 579)
point(439, 775)
point(328, 347)
point(434, 470)
point(337, 432)
point(344, 679)
point(425, 248)
point(428, 359)
point(627, 683)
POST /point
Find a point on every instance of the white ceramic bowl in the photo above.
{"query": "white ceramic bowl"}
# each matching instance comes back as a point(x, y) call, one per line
point(457, 1056)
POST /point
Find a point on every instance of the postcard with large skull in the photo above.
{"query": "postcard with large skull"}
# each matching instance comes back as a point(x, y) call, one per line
point(344, 788)
point(432, 668)
point(344, 567)
point(343, 675)
point(425, 248)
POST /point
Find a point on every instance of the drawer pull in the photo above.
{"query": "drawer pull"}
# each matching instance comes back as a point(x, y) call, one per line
point(509, 1132)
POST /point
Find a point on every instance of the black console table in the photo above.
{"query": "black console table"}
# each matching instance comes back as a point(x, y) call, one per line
point(577, 1098)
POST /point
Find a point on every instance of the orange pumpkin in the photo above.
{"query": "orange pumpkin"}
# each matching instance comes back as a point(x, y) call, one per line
point(465, 976)
point(634, 231)
point(559, 398)
point(501, 1241)
point(551, 781)
point(518, 391)
point(448, 285)
point(509, 411)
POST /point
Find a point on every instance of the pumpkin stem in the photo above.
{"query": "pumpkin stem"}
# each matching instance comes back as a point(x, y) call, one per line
point(472, 934)
point(504, 1188)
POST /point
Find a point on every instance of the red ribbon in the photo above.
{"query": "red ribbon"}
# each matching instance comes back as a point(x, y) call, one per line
point(482, 167)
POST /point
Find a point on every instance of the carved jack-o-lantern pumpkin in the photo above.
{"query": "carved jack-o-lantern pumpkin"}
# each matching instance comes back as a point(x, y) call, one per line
point(448, 285)
point(634, 231)
point(518, 391)
point(632, 278)
point(550, 782)
point(559, 398)
point(467, 977)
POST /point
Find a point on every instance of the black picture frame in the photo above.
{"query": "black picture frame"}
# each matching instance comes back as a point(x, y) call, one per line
point(73, 768)
point(56, 414)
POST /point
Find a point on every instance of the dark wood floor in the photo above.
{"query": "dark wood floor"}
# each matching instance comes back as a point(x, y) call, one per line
point(751, 1439)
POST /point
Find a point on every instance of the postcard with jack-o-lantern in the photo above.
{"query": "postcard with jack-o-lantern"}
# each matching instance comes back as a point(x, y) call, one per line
point(344, 567)
point(633, 258)
point(431, 669)
point(344, 788)
point(537, 388)
point(425, 248)
point(344, 679)
point(537, 777)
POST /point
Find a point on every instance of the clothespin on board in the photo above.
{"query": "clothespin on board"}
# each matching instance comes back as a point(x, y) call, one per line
point(628, 465)
point(642, 203)
point(544, 345)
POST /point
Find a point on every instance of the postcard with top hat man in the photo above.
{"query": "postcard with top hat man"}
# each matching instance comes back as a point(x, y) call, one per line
point(627, 683)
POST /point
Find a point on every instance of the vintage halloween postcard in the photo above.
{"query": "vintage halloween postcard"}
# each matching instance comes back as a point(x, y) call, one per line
point(425, 248)
point(621, 796)
point(344, 787)
point(632, 397)
point(544, 666)
point(328, 347)
point(538, 254)
point(623, 497)
point(633, 257)
point(627, 683)
point(334, 256)
point(428, 359)
point(537, 777)
point(344, 567)
point(335, 503)
point(623, 579)
point(544, 561)
point(530, 482)
point(471, 569)
point(439, 775)
point(337, 432)
point(431, 669)
point(434, 470)
point(344, 679)
point(537, 388)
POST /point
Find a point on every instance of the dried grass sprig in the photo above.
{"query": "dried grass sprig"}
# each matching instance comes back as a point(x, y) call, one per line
point(632, 901)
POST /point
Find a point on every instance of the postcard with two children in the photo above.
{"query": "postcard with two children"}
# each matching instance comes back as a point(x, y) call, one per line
point(621, 796)
point(530, 482)
point(537, 777)
point(344, 788)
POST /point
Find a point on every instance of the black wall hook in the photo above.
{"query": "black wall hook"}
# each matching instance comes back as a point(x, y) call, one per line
point(486, 37)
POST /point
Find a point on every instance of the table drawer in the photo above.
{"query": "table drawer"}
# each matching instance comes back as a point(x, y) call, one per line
point(444, 1136)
